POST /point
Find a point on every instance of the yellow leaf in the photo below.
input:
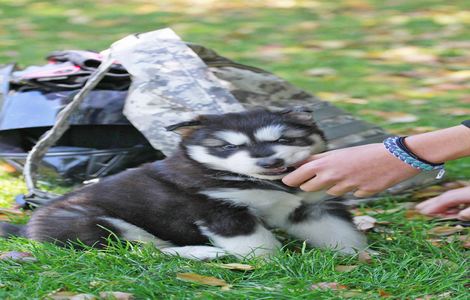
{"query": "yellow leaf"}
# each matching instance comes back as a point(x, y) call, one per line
point(207, 280)
point(406, 54)
point(344, 269)
point(116, 296)
point(445, 230)
point(235, 266)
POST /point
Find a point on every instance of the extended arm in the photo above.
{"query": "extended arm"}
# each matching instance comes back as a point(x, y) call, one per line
point(370, 169)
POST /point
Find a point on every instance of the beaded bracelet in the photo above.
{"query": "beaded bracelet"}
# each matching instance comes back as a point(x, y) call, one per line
point(396, 146)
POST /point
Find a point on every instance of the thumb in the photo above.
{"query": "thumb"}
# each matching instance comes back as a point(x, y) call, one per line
point(314, 157)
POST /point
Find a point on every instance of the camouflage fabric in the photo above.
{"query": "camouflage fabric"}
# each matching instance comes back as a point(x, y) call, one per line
point(170, 84)
point(173, 82)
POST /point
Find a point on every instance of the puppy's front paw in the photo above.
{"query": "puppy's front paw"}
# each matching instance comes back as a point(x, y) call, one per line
point(195, 252)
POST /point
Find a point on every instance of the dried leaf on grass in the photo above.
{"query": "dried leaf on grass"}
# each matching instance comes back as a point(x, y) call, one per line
point(66, 295)
point(364, 223)
point(18, 256)
point(206, 280)
point(465, 241)
point(384, 294)
point(392, 117)
point(456, 111)
point(442, 262)
point(364, 257)
point(318, 72)
point(235, 266)
point(344, 268)
point(327, 286)
point(412, 214)
point(408, 54)
point(116, 296)
point(445, 230)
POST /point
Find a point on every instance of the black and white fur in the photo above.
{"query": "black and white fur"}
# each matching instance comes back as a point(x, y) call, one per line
point(219, 194)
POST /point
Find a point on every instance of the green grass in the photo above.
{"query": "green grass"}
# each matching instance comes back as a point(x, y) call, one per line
point(247, 31)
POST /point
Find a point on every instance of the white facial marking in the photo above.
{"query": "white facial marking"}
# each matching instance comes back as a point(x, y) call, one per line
point(272, 206)
point(212, 142)
point(269, 133)
point(130, 232)
point(329, 232)
point(239, 162)
point(233, 137)
point(259, 243)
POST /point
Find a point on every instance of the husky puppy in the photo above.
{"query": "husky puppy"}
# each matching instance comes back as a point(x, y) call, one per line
point(219, 194)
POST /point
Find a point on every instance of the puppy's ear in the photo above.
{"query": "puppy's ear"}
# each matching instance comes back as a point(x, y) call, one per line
point(299, 114)
point(186, 127)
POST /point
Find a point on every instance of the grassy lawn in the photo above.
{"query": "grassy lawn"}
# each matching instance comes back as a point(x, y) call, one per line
point(403, 65)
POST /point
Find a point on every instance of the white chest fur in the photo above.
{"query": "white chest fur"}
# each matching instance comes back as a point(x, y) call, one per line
point(273, 207)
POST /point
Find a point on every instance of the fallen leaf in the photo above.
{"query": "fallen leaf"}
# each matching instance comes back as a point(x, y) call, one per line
point(344, 268)
point(384, 294)
point(414, 214)
point(318, 72)
point(116, 296)
point(427, 297)
point(435, 242)
point(18, 256)
point(406, 54)
point(207, 280)
point(465, 241)
point(364, 223)
point(327, 286)
point(65, 295)
point(273, 52)
point(351, 294)
point(392, 117)
point(235, 266)
point(456, 184)
point(329, 44)
point(442, 262)
point(364, 257)
point(456, 111)
point(445, 230)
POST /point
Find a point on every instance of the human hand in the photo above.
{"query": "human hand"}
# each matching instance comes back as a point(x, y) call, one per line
point(366, 169)
point(448, 204)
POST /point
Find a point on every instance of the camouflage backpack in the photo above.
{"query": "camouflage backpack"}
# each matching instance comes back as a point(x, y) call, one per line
point(173, 81)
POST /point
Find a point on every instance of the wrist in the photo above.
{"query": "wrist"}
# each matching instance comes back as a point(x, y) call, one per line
point(442, 145)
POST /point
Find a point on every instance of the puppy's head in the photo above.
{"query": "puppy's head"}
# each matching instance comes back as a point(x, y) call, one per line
point(257, 143)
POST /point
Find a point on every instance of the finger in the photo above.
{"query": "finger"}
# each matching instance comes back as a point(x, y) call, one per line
point(464, 215)
point(339, 190)
point(364, 193)
point(316, 184)
point(427, 202)
point(300, 175)
point(461, 193)
point(441, 204)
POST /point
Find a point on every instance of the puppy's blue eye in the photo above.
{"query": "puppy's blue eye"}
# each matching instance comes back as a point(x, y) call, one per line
point(229, 147)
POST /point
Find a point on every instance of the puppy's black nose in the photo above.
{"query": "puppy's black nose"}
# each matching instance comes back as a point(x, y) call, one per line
point(270, 163)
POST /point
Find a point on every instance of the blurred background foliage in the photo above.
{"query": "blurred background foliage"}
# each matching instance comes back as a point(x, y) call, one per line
point(401, 64)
